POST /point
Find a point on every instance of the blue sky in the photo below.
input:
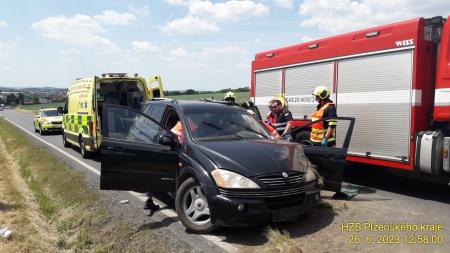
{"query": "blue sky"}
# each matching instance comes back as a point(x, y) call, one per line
point(197, 44)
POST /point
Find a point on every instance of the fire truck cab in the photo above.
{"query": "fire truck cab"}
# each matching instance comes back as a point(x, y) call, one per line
point(394, 79)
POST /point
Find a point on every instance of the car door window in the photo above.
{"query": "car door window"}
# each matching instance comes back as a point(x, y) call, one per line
point(126, 123)
point(157, 112)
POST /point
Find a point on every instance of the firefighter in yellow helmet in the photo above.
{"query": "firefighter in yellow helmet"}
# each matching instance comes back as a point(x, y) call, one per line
point(230, 97)
point(323, 133)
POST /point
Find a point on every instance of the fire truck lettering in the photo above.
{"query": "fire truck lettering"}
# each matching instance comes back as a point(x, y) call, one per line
point(403, 43)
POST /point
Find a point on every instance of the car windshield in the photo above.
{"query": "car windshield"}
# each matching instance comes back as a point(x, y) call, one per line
point(224, 124)
point(51, 113)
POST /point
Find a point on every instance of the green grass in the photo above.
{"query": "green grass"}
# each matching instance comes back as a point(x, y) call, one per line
point(240, 96)
point(36, 107)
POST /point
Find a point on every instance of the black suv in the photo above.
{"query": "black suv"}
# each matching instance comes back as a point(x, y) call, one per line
point(228, 170)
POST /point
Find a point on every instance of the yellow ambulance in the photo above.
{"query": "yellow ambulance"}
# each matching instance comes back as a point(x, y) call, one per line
point(85, 100)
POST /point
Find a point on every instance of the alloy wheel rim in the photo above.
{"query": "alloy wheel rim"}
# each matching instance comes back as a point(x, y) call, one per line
point(195, 206)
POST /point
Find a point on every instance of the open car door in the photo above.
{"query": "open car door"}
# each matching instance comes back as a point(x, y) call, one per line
point(330, 161)
point(132, 156)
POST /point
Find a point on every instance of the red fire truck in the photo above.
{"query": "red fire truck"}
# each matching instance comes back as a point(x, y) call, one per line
point(394, 79)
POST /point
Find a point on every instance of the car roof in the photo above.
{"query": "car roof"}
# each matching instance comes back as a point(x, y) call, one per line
point(195, 104)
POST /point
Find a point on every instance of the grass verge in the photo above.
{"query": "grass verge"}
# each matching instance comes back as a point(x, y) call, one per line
point(75, 219)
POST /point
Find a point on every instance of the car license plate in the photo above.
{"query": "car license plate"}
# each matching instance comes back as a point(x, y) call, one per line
point(57, 126)
point(286, 214)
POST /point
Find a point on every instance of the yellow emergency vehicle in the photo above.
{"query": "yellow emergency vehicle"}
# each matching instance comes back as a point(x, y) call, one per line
point(85, 100)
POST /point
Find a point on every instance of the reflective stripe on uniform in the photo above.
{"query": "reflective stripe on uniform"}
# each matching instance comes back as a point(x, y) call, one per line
point(317, 129)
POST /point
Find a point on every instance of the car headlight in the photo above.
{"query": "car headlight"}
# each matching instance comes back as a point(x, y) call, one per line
point(228, 179)
point(310, 176)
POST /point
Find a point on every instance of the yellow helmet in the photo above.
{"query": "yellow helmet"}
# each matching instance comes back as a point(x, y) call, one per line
point(322, 92)
point(282, 99)
point(229, 96)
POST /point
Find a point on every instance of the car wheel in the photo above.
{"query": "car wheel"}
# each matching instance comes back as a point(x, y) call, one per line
point(65, 143)
point(41, 132)
point(83, 151)
point(192, 207)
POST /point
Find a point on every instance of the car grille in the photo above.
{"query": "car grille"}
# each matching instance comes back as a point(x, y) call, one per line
point(56, 122)
point(277, 179)
point(263, 193)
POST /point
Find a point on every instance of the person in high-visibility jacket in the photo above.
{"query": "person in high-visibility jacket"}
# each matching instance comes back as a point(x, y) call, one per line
point(323, 133)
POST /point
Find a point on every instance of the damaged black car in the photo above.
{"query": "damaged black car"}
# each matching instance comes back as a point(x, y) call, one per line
point(220, 163)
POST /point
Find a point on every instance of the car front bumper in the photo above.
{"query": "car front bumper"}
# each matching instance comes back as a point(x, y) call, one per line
point(229, 209)
point(51, 127)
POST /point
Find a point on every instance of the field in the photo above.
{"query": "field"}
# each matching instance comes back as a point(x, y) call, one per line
point(240, 96)
point(36, 107)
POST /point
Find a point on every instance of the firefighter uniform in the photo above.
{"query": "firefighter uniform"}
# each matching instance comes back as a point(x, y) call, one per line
point(280, 120)
point(325, 109)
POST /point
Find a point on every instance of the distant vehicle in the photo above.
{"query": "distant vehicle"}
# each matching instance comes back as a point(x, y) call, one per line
point(228, 170)
point(47, 120)
point(86, 98)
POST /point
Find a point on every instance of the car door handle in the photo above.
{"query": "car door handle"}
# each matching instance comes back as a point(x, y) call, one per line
point(115, 148)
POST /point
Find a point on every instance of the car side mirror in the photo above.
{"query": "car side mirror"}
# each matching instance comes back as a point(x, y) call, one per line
point(36, 116)
point(100, 98)
point(168, 139)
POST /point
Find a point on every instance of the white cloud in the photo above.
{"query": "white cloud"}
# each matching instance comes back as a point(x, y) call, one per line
point(77, 30)
point(145, 47)
point(204, 16)
point(348, 15)
point(111, 17)
point(306, 38)
point(209, 57)
point(6, 47)
point(178, 2)
point(178, 53)
point(228, 11)
point(190, 25)
point(139, 11)
point(3, 24)
point(208, 52)
point(284, 3)
point(68, 52)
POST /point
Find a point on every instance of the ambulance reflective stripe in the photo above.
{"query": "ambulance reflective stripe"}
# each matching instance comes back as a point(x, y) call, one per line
point(77, 124)
point(272, 130)
point(317, 129)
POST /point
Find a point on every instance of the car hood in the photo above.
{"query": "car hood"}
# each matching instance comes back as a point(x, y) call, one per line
point(255, 157)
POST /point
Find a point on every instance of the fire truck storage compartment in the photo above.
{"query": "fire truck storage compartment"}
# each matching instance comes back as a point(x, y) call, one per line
point(377, 90)
point(299, 83)
point(267, 85)
point(429, 145)
point(445, 155)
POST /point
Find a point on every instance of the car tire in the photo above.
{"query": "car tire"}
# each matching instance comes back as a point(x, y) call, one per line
point(83, 151)
point(193, 213)
point(65, 143)
point(41, 132)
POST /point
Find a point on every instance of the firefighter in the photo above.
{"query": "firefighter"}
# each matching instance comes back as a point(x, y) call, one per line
point(323, 133)
point(280, 118)
point(230, 97)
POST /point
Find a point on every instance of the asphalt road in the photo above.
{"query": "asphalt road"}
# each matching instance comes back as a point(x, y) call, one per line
point(429, 198)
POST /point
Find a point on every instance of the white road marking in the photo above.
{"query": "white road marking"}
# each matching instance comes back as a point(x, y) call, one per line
point(168, 212)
